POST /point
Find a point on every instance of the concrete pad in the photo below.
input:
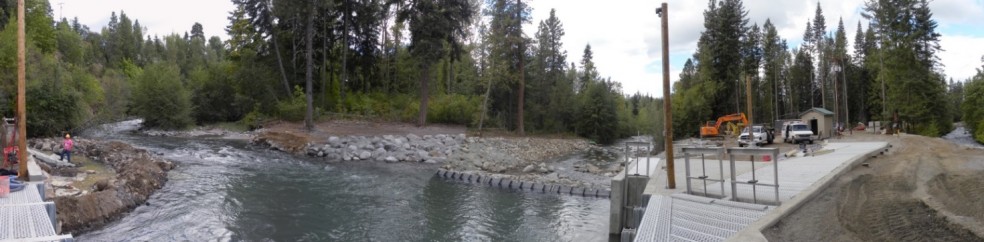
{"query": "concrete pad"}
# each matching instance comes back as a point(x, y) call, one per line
point(672, 215)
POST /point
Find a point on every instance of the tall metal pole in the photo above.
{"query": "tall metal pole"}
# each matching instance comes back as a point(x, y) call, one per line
point(21, 108)
point(667, 109)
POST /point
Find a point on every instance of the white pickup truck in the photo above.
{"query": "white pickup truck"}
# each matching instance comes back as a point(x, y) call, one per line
point(797, 132)
point(762, 136)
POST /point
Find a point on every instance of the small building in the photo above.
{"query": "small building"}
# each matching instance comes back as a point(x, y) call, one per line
point(821, 121)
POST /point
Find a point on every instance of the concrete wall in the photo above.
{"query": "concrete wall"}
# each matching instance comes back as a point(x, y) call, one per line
point(624, 200)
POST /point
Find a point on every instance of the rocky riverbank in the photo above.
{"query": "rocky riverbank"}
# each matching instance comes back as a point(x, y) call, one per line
point(573, 162)
point(138, 174)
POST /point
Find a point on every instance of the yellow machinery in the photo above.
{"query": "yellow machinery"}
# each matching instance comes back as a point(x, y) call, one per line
point(735, 122)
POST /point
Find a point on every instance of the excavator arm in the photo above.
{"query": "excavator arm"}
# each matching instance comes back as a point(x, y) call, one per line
point(712, 129)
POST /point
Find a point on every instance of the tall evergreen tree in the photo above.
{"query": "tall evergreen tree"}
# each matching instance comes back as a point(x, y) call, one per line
point(913, 88)
point(772, 60)
point(819, 37)
point(431, 23)
point(719, 52)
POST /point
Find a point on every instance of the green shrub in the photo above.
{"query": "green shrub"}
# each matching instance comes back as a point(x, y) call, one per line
point(454, 109)
point(979, 132)
point(253, 120)
point(51, 111)
point(160, 98)
point(293, 109)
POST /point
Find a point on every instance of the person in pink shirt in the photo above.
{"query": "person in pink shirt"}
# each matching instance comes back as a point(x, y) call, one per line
point(67, 148)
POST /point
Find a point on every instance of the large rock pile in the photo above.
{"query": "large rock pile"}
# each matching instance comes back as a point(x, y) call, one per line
point(531, 159)
point(388, 148)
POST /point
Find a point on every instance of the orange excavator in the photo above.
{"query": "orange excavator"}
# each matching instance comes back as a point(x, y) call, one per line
point(712, 129)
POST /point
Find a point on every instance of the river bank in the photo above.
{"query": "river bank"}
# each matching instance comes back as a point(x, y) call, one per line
point(230, 190)
point(136, 175)
point(556, 160)
point(547, 160)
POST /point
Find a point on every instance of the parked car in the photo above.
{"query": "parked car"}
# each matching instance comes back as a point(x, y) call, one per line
point(762, 136)
point(796, 132)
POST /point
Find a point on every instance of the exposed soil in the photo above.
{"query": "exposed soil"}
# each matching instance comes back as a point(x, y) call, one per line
point(924, 189)
point(138, 174)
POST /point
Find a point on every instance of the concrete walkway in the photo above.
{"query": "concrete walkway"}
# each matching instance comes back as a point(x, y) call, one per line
point(673, 215)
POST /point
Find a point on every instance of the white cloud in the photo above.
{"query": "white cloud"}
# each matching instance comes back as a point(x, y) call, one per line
point(958, 11)
point(961, 56)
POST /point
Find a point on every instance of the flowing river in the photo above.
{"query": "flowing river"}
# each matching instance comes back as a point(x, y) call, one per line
point(226, 190)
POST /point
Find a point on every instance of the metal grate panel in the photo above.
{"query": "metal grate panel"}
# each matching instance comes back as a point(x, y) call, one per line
point(30, 194)
point(692, 218)
point(23, 222)
point(24, 216)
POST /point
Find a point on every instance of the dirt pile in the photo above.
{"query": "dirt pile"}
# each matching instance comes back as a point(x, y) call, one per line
point(289, 141)
point(924, 189)
point(138, 175)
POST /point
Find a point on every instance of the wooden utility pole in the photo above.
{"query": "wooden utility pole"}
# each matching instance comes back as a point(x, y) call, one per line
point(21, 84)
point(522, 68)
point(837, 112)
point(667, 108)
point(751, 115)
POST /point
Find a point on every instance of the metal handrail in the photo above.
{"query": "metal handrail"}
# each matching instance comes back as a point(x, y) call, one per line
point(719, 152)
point(754, 182)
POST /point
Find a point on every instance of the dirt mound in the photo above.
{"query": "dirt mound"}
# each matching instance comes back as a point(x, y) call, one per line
point(925, 189)
point(283, 140)
point(138, 175)
point(955, 191)
point(880, 208)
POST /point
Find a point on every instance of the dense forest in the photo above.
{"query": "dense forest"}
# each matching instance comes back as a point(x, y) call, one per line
point(470, 63)
point(893, 71)
point(422, 61)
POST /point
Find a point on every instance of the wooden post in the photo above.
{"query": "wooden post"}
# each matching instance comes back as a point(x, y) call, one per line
point(21, 108)
point(751, 122)
point(667, 108)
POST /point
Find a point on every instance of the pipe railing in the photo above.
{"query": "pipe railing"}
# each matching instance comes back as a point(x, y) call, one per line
point(754, 182)
point(716, 151)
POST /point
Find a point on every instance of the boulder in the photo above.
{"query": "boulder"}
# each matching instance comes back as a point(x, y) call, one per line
point(391, 159)
point(528, 169)
point(593, 169)
point(333, 140)
point(365, 155)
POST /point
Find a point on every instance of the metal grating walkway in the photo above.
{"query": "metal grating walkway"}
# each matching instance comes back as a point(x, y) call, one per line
point(24, 216)
point(676, 216)
point(682, 217)
point(30, 194)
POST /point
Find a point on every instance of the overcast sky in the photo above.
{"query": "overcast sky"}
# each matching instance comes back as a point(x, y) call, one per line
point(624, 34)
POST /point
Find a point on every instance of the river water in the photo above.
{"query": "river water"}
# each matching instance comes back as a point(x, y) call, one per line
point(226, 190)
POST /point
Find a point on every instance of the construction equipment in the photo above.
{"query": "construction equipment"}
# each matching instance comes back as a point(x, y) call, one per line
point(8, 141)
point(712, 129)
